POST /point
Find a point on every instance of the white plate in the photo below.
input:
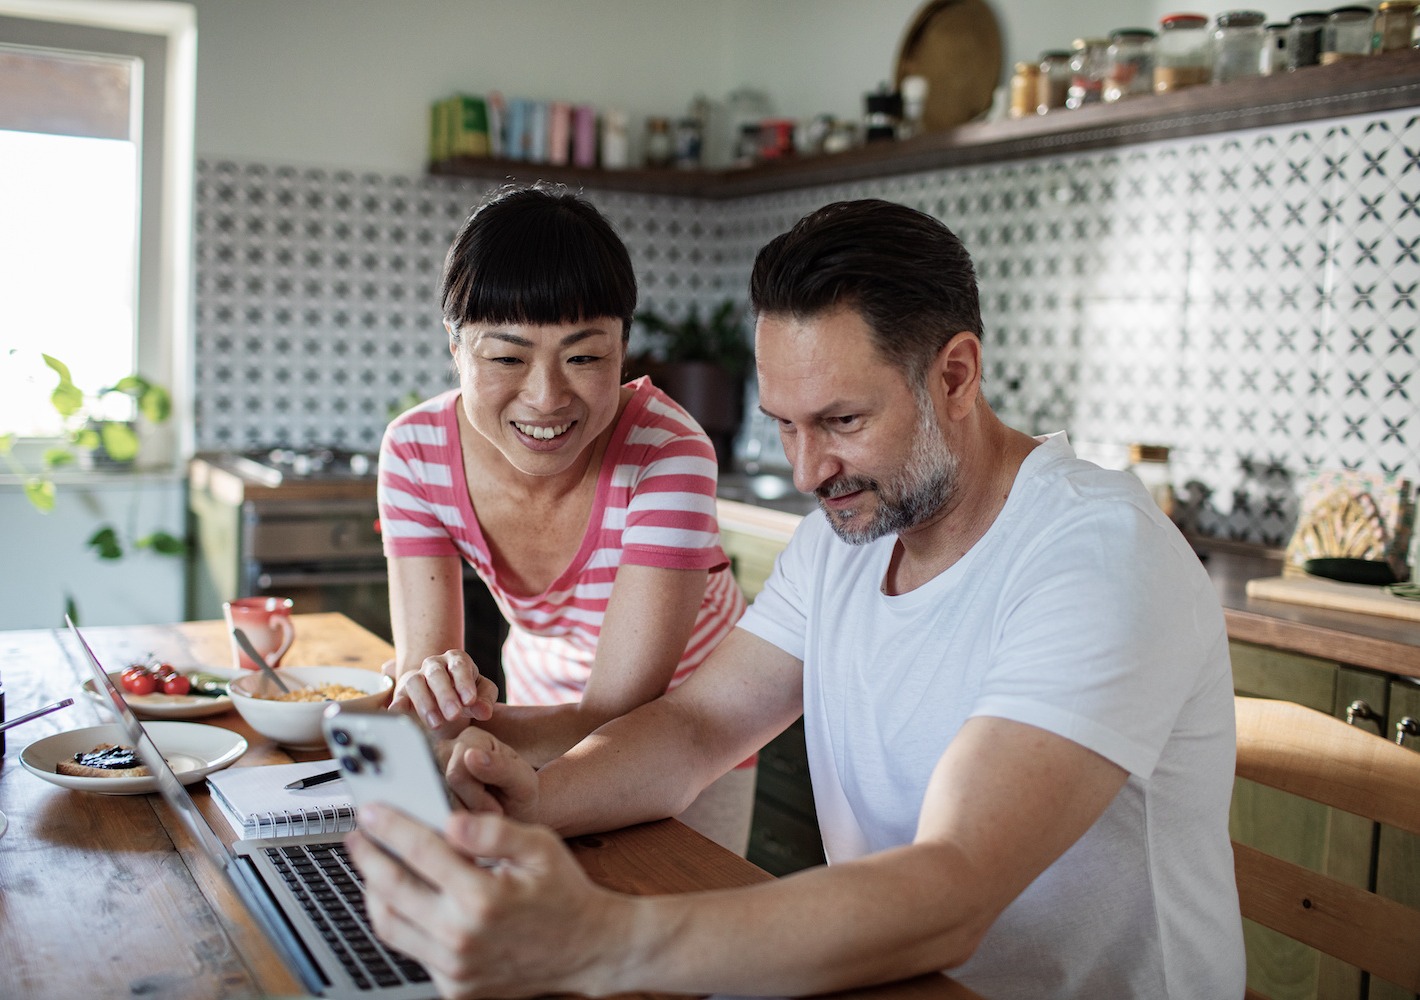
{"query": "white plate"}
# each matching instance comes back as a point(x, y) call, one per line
point(168, 706)
point(193, 750)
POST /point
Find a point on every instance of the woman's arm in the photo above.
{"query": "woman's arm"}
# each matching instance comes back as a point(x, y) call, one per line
point(648, 624)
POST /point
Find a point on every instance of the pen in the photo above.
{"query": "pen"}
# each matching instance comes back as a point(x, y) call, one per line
point(315, 779)
point(37, 713)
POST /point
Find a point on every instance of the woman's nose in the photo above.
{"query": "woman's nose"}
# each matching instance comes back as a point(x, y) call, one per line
point(545, 387)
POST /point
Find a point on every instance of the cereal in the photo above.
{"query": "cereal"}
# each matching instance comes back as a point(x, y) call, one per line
point(321, 692)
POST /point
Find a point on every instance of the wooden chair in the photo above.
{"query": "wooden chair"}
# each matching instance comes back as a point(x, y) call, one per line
point(1312, 755)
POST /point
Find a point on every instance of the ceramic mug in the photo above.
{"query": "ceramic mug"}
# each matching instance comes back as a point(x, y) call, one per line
point(266, 622)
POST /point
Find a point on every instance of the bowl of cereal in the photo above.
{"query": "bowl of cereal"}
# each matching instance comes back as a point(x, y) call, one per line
point(293, 719)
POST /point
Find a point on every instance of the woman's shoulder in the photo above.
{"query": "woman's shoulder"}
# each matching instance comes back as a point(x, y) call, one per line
point(653, 415)
point(428, 422)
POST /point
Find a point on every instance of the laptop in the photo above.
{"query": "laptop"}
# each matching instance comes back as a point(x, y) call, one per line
point(302, 891)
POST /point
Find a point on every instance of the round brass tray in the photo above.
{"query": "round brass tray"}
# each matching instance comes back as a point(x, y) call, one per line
point(956, 46)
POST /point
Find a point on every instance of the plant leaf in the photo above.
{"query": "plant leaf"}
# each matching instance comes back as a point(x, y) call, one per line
point(7, 443)
point(56, 457)
point(86, 438)
point(40, 493)
point(162, 543)
point(60, 368)
point(105, 543)
point(119, 440)
point(71, 608)
point(154, 403)
point(66, 399)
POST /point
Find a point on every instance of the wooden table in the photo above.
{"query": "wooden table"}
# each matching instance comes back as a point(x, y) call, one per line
point(105, 895)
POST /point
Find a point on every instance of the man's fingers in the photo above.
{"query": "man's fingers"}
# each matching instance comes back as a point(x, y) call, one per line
point(508, 778)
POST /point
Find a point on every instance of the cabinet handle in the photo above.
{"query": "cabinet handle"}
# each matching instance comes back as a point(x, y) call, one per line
point(1358, 709)
point(1406, 727)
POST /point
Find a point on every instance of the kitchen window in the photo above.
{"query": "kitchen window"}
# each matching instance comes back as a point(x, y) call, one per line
point(95, 195)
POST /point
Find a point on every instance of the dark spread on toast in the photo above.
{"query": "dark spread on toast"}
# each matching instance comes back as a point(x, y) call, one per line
point(108, 758)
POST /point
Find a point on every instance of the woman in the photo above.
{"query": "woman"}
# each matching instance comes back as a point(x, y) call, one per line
point(587, 506)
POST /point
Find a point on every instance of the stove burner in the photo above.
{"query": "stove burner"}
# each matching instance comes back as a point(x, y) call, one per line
point(311, 463)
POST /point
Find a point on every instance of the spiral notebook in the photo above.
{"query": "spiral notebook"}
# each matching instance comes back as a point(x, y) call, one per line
point(257, 804)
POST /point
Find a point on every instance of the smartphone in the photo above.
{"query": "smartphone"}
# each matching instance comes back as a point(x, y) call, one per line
point(386, 757)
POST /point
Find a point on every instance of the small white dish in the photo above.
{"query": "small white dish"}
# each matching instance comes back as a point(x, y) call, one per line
point(168, 706)
point(193, 750)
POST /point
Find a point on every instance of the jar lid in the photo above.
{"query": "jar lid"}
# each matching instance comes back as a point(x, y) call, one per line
point(1398, 5)
point(1241, 18)
point(1136, 33)
point(1054, 54)
point(1183, 20)
point(1026, 68)
point(1277, 26)
point(1355, 10)
point(1085, 43)
point(1309, 17)
point(1148, 453)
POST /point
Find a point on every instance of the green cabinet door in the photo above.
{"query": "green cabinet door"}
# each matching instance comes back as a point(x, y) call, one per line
point(1398, 852)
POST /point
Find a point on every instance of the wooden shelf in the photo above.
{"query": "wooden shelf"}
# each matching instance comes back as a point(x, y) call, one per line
point(1378, 83)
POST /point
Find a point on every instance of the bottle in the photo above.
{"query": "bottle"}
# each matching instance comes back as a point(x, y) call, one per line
point(1304, 39)
point(1025, 87)
point(1131, 64)
point(1150, 463)
point(1237, 45)
point(1274, 48)
point(1053, 83)
point(1395, 25)
point(882, 113)
point(1181, 52)
point(1347, 35)
point(914, 104)
point(1089, 62)
point(660, 147)
point(616, 144)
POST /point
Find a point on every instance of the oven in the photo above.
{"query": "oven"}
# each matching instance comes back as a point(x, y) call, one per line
point(305, 525)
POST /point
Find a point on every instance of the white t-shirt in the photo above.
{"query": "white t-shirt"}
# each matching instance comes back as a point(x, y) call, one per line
point(1084, 612)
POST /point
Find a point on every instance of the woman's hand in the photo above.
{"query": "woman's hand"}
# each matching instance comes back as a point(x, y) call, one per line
point(491, 908)
point(487, 775)
point(445, 693)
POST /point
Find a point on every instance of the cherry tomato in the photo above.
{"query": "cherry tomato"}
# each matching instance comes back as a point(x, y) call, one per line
point(139, 683)
point(176, 684)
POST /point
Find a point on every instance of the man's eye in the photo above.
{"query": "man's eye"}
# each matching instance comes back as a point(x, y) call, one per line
point(847, 421)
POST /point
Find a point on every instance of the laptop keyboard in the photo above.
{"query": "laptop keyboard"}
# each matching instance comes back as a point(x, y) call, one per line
point(329, 889)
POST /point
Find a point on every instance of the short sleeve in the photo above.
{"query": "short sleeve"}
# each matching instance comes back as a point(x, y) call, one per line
point(779, 615)
point(416, 496)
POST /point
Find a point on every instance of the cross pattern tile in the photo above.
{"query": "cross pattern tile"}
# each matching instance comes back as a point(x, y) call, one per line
point(1249, 299)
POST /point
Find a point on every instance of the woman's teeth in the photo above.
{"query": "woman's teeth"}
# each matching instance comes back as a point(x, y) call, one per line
point(542, 433)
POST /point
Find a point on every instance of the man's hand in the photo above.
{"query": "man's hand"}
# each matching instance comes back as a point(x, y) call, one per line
point(487, 775)
point(492, 908)
point(445, 692)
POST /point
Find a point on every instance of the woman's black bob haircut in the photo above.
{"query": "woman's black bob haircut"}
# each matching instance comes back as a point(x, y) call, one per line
point(537, 255)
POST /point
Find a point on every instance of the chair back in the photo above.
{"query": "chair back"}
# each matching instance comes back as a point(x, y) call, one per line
point(1307, 753)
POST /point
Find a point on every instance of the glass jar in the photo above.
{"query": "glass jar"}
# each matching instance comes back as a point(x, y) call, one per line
point(1131, 64)
point(1347, 34)
point(1089, 62)
point(1274, 48)
point(1237, 45)
point(1395, 25)
point(1181, 52)
point(1053, 84)
point(1025, 86)
point(1150, 463)
point(1304, 39)
point(660, 146)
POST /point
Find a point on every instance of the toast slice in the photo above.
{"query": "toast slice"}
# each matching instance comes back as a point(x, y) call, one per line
point(107, 760)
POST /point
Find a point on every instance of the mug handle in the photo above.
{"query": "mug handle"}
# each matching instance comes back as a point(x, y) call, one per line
point(282, 624)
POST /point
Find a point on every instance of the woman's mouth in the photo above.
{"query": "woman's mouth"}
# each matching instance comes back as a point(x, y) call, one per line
point(539, 432)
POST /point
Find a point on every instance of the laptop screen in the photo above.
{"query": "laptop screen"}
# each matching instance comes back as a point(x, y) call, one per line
point(169, 786)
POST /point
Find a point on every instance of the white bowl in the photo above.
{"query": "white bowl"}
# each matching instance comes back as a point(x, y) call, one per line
point(296, 724)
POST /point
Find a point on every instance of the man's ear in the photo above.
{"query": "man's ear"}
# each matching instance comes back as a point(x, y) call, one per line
point(955, 375)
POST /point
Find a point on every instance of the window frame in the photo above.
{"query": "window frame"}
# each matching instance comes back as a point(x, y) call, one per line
point(164, 37)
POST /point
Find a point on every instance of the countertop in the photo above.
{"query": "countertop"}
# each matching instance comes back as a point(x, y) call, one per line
point(1390, 645)
point(220, 475)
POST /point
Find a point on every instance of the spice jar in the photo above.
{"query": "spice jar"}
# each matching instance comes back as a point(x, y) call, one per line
point(1025, 85)
point(1395, 25)
point(1304, 39)
point(1131, 64)
point(1237, 45)
point(1181, 52)
point(1347, 34)
point(1150, 463)
point(1274, 48)
point(1089, 62)
point(1053, 84)
point(660, 147)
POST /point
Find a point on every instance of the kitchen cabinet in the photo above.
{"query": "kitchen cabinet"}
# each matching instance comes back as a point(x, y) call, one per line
point(1378, 83)
point(1344, 846)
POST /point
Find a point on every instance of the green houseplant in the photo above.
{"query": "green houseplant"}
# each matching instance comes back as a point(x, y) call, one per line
point(701, 361)
point(88, 435)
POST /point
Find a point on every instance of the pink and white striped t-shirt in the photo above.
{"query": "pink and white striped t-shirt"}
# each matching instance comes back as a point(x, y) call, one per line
point(654, 506)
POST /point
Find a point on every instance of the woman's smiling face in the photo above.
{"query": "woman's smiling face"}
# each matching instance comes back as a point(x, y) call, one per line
point(541, 395)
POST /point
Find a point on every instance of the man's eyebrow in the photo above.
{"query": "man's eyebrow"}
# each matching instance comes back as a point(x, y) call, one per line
point(839, 407)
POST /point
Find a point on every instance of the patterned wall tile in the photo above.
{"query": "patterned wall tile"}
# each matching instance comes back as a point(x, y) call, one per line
point(1249, 299)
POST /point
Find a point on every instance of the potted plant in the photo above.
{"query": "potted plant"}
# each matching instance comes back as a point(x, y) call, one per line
point(701, 362)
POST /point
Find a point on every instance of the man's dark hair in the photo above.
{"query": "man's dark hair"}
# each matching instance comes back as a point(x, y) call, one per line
point(537, 255)
point(905, 273)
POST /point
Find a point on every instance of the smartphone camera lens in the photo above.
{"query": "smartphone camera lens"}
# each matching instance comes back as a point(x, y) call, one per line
point(370, 753)
point(340, 736)
point(351, 763)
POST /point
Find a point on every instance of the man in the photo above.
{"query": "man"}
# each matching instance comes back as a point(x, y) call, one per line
point(1015, 684)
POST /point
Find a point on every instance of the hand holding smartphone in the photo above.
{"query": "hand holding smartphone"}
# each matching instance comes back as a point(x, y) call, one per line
point(385, 757)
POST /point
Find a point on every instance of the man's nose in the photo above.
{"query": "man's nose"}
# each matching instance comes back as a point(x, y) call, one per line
point(811, 461)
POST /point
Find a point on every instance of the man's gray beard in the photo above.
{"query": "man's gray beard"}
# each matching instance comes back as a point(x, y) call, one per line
point(910, 497)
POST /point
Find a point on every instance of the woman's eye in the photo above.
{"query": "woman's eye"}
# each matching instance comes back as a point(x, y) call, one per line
point(583, 359)
point(505, 361)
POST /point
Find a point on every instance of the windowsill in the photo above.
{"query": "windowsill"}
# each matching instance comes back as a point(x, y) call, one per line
point(97, 478)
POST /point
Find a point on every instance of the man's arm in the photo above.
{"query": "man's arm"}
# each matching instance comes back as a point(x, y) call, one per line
point(1004, 802)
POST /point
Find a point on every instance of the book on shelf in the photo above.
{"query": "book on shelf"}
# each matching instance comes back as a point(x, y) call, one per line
point(257, 803)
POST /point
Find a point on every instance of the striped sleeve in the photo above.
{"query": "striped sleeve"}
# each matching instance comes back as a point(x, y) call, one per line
point(420, 513)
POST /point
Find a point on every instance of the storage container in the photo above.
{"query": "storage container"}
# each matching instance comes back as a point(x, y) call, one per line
point(1181, 52)
point(1274, 48)
point(1089, 62)
point(1025, 87)
point(1131, 64)
point(1347, 35)
point(1053, 83)
point(1237, 45)
point(1304, 39)
point(1395, 26)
